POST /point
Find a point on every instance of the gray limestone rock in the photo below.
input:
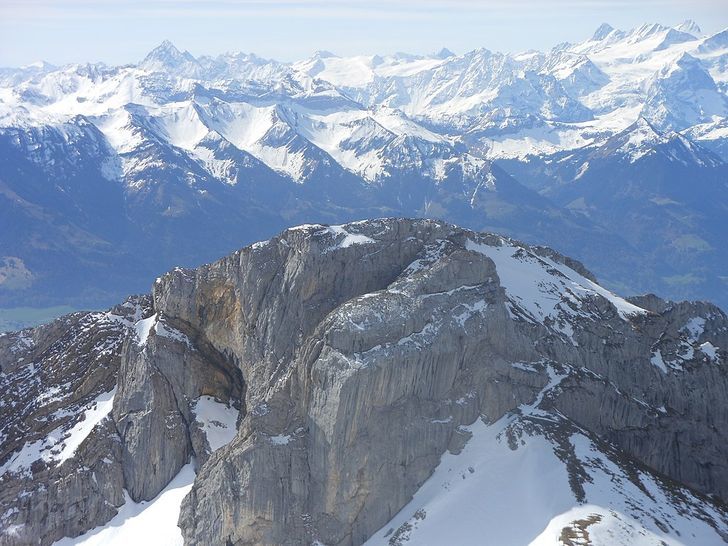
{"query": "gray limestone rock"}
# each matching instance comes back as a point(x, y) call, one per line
point(162, 373)
point(354, 355)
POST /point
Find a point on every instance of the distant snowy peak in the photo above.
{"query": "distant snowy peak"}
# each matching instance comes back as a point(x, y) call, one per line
point(40, 66)
point(604, 30)
point(713, 136)
point(647, 38)
point(444, 53)
point(324, 54)
point(673, 37)
point(689, 26)
point(715, 43)
point(62, 148)
point(362, 71)
point(646, 31)
point(642, 139)
point(577, 73)
point(682, 94)
point(167, 56)
point(637, 140)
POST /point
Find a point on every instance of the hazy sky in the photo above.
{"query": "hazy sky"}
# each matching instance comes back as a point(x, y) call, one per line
point(121, 31)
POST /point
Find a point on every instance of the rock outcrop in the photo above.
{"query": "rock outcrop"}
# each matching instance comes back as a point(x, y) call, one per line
point(355, 356)
point(57, 384)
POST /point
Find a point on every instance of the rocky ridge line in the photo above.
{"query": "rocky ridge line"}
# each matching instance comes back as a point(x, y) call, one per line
point(355, 354)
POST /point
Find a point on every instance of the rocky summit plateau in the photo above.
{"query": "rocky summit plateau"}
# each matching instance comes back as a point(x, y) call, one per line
point(387, 382)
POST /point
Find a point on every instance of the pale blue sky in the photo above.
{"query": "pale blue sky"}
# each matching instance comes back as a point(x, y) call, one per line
point(122, 31)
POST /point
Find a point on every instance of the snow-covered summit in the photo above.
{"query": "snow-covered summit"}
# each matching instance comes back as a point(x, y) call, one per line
point(682, 94)
point(167, 57)
point(689, 26)
point(642, 138)
point(598, 86)
point(602, 32)
point(444, 53)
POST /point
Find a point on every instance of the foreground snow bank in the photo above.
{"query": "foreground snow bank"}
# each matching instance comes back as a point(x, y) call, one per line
point(513, 485)
point(153, 522)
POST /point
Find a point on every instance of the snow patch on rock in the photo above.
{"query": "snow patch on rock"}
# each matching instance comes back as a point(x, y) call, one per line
point(61, 444)
point(143, 327)
point(217, 420)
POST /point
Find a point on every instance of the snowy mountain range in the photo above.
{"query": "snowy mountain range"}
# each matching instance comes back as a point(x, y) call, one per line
point(111, 175)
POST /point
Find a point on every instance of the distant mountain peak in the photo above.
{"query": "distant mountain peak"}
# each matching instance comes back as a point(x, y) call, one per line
point(166, 54)
point(644, 126)
point(715, 42)
point(690, 27)
point(637, 140)
point(39, 65)
point(643, 138)
point(324, 54)
point(444, 53)
point(166, 47)
point(648, 29)
point(685, 60)
point(602, 32)
point(693, 71)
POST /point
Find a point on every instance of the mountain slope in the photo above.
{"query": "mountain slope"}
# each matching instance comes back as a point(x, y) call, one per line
point(663, 192)
point(473, 349)
point(534, 478)
point(179, 159)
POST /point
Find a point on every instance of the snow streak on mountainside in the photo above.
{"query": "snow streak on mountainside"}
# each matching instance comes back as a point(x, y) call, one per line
point(178, 159)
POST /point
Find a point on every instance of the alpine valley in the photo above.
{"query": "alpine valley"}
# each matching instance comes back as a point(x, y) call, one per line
point(612, 150)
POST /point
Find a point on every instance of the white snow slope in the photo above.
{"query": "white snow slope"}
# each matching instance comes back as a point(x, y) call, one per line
point(61, 444)
point(155, 522)
point(510, 487)
point(373, 114)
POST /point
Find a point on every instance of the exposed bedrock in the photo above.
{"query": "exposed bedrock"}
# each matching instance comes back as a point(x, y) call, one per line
point(356, 353)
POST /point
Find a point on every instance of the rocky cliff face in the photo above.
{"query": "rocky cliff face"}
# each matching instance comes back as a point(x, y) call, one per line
point(352, 358)
point(61, 472)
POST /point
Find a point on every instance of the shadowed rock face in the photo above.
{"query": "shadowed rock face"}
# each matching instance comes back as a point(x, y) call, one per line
point(355, 353)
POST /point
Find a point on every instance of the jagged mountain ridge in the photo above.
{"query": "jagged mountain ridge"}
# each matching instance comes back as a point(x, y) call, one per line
point(169, 208)
point(666, 194)
point(662, 61)
point(501, 354)
point(201, 153)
